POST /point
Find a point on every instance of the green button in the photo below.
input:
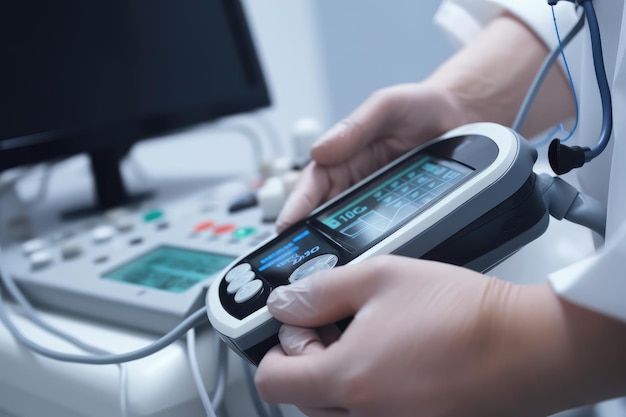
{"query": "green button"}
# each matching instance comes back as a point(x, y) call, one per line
point(153, 215)
point(244, 232)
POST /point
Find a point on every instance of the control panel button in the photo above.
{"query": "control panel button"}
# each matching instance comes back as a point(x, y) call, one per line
point(33, 245)
point(248, 291)
point(102, 234)
point(70, 249)
point(40, 259)
point(239, 282)
point(244, 232)
point(237, 271)
point(124, 224)
point(225, 228)
point(153, 215)
point(319, 263)
point(200, 227)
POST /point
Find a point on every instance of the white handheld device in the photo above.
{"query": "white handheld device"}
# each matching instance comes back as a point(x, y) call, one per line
point(467, 198)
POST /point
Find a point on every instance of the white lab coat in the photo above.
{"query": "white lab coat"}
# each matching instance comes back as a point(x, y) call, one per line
point(597, 282)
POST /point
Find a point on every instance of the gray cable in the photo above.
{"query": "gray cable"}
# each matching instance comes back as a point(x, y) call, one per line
point(35, 318)
point(542, 73)
point(102, 358)
point(565, 202)
point(222, 360)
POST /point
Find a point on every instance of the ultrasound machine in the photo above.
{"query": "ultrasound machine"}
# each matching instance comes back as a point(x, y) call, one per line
point(188, 264)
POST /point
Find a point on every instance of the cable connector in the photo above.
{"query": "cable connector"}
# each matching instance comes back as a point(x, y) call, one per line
point(564, 201)
point(564, 158)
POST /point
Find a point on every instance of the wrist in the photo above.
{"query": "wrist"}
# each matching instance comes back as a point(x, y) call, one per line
point(553, 355)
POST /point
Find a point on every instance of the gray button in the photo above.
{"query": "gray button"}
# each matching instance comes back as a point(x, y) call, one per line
point(70, 249)
point(319, 263)
point(248, 291)
point(40, 259)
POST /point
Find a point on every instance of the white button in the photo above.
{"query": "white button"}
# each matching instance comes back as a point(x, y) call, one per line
point(239, 282)
point(33, 246)
point(124, 224)
point(40, 259)
point(102, 233)
point(248, 291)
point(70, 249)
point(236, 271)
point(319, 263)
point(115, 214)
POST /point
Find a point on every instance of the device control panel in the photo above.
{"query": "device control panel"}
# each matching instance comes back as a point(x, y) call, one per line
point(146, 266)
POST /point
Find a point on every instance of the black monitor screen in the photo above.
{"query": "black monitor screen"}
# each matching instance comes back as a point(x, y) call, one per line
point(84, 76)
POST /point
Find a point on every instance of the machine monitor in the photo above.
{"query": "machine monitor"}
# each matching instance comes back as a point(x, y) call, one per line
point(96, 77)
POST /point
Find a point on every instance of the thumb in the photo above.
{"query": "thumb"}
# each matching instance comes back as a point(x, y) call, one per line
point(322, 298)
point(353, 133)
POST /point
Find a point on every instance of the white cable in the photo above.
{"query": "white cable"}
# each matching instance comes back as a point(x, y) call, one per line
point(36, 319)
point(222, 372)
point(197, 377)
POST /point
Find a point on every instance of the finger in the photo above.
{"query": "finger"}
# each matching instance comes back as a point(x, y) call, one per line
point(302, 380)
point(300, 340)
point(310, 191)
point(354, 132)
point(325, 297)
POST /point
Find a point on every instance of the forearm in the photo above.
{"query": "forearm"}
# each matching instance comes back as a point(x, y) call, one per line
point(555, 354)
point(488, 79)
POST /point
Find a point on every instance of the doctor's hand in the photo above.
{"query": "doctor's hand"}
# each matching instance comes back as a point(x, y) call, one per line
point(476, 84)
point(430, 339)
point(390, 122)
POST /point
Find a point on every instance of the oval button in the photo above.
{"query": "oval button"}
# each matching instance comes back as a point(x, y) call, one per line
point(240, 269)
point(248, 291)
point(239, 282)
point(319, 263)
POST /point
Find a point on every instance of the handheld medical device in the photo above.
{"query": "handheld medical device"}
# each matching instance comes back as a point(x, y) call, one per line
point(468, 197)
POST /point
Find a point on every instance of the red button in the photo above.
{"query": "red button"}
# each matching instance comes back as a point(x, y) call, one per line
point(203, 226)
point(220, 230)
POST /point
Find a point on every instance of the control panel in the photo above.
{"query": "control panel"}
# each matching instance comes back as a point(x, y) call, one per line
point(146, 266)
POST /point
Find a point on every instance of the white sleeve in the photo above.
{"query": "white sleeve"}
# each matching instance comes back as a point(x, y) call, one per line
point(586, 282)
point(461, 20)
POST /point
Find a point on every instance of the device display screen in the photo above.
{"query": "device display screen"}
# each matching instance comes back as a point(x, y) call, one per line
point(399, 195)
point(170, 268)
point(285, 255)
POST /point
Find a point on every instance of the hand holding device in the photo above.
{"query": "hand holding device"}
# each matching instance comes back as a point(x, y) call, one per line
point(391, 360)
point(467, 198)
point(388, 124)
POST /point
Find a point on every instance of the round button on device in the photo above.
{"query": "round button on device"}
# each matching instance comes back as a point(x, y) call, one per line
point(102, 234)
point(248, 291)
point(319, 263)
point(239, 282)
point(40, 259)
point(236, 271)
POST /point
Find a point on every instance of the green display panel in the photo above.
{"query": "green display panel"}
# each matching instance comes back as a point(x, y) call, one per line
point(170, 268)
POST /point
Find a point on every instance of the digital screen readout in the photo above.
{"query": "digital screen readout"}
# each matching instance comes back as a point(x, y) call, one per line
point(170, 268)
point(383, 206)
point(278, 261)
